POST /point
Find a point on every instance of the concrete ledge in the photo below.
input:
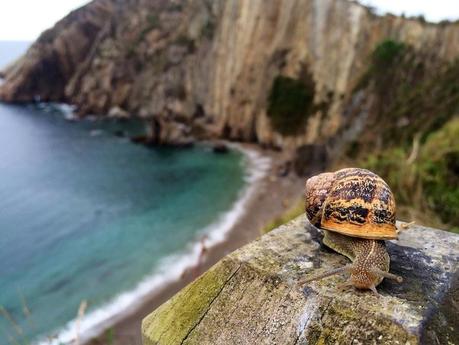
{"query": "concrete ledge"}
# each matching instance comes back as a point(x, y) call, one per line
point(252, 296)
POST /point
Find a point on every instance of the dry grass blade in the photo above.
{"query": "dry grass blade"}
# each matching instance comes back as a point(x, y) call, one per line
point(7, 316)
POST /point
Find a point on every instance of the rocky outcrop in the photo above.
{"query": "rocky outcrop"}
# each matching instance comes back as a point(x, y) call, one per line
point(47, 67)
point(209, 67)
point(253, 296)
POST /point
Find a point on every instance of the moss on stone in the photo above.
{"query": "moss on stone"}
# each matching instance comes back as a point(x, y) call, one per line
point(255, 295)
point(172, 321)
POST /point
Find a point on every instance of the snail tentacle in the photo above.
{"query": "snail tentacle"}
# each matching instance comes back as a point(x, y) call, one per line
point(347, 284)
point(347, 268)
point(373, 289)
point(387, 275)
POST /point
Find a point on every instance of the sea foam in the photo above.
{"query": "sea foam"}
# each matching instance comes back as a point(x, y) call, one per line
point(171, 268)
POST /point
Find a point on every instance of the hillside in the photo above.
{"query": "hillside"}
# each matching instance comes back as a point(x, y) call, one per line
point(355, 87)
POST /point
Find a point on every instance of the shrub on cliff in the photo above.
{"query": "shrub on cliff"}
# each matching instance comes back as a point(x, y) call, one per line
point(414, 94)
point(410, 135)
point(425, 178)
point(386, 53)
point(384, 59)
point(290, 103)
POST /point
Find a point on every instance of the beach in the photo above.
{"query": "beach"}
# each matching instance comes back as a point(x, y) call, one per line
point(268, 198)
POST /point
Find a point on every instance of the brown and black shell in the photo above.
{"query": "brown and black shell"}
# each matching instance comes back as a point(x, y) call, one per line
point(352, 201)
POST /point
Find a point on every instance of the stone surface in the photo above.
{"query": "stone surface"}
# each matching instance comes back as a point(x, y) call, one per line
point(253, 297)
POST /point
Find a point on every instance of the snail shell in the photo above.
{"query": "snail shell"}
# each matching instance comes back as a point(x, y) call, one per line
point(353, 202)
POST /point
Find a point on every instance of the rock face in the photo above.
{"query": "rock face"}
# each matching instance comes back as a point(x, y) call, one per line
point(253, 296)
point(207, 68)
point(47, 67)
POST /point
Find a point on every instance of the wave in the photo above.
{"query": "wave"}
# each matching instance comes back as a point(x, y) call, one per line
point(170, 268)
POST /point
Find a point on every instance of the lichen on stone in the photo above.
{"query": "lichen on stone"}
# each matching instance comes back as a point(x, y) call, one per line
point(172, 321)
point(253, 296)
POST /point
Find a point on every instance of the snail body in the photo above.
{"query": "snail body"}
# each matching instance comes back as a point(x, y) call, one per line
point(356, 210)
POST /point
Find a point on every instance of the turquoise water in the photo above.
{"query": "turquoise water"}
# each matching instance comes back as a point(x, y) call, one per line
point(86, 215)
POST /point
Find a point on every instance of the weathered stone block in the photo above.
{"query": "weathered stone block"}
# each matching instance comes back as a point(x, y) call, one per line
point(253, 297)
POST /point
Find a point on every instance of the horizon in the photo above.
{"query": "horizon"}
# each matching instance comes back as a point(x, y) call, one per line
point(18, 25)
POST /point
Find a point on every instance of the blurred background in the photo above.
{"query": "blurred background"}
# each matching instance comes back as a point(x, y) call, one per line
point(142, 140)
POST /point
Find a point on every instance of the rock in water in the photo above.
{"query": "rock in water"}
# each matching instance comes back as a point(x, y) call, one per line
point(220, 147)
point(252, 296)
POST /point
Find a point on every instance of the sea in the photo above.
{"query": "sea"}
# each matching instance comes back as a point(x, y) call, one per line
point(88, 218)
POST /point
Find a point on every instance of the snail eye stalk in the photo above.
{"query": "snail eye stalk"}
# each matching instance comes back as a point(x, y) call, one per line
point(387, 275)
point(346, 268)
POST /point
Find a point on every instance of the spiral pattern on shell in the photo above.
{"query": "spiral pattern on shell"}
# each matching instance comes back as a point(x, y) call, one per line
point(354, 202)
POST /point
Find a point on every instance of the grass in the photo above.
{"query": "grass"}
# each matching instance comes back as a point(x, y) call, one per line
point(425, 178)
point(410, 137)
point(413, 95)
point(18, 336)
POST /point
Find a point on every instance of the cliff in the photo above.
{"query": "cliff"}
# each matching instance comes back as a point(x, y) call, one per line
point(281, 73)
point(253, 296)
point(327, 81)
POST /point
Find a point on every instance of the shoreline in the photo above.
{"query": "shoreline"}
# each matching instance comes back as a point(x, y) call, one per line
point(266, 197)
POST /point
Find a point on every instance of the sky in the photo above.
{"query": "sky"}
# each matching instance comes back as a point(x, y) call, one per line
point(432, 10)
point(24, 20)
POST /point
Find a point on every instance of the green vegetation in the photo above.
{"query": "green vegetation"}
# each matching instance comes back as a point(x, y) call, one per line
point(173, 320)
point(414, 96)
point(290, 103)
point(208, 30)
point(411, 134)
point(384, 58)
point(439, 166)
point(185, 41)
point(107, 338)
point(386, 53)
point(425, 178)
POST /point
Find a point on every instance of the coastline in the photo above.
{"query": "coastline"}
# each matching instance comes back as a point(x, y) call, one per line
point(264, 198)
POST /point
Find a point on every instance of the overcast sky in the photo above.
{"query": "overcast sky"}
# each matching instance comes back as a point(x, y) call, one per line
point(26, 19)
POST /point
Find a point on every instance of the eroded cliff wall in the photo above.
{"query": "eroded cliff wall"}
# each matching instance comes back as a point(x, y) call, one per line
point(208, 68)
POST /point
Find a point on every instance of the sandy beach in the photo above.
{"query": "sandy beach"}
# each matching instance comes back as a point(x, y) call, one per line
point(272, 196)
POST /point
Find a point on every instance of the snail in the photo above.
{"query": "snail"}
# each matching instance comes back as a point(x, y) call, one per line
point(356, 210)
